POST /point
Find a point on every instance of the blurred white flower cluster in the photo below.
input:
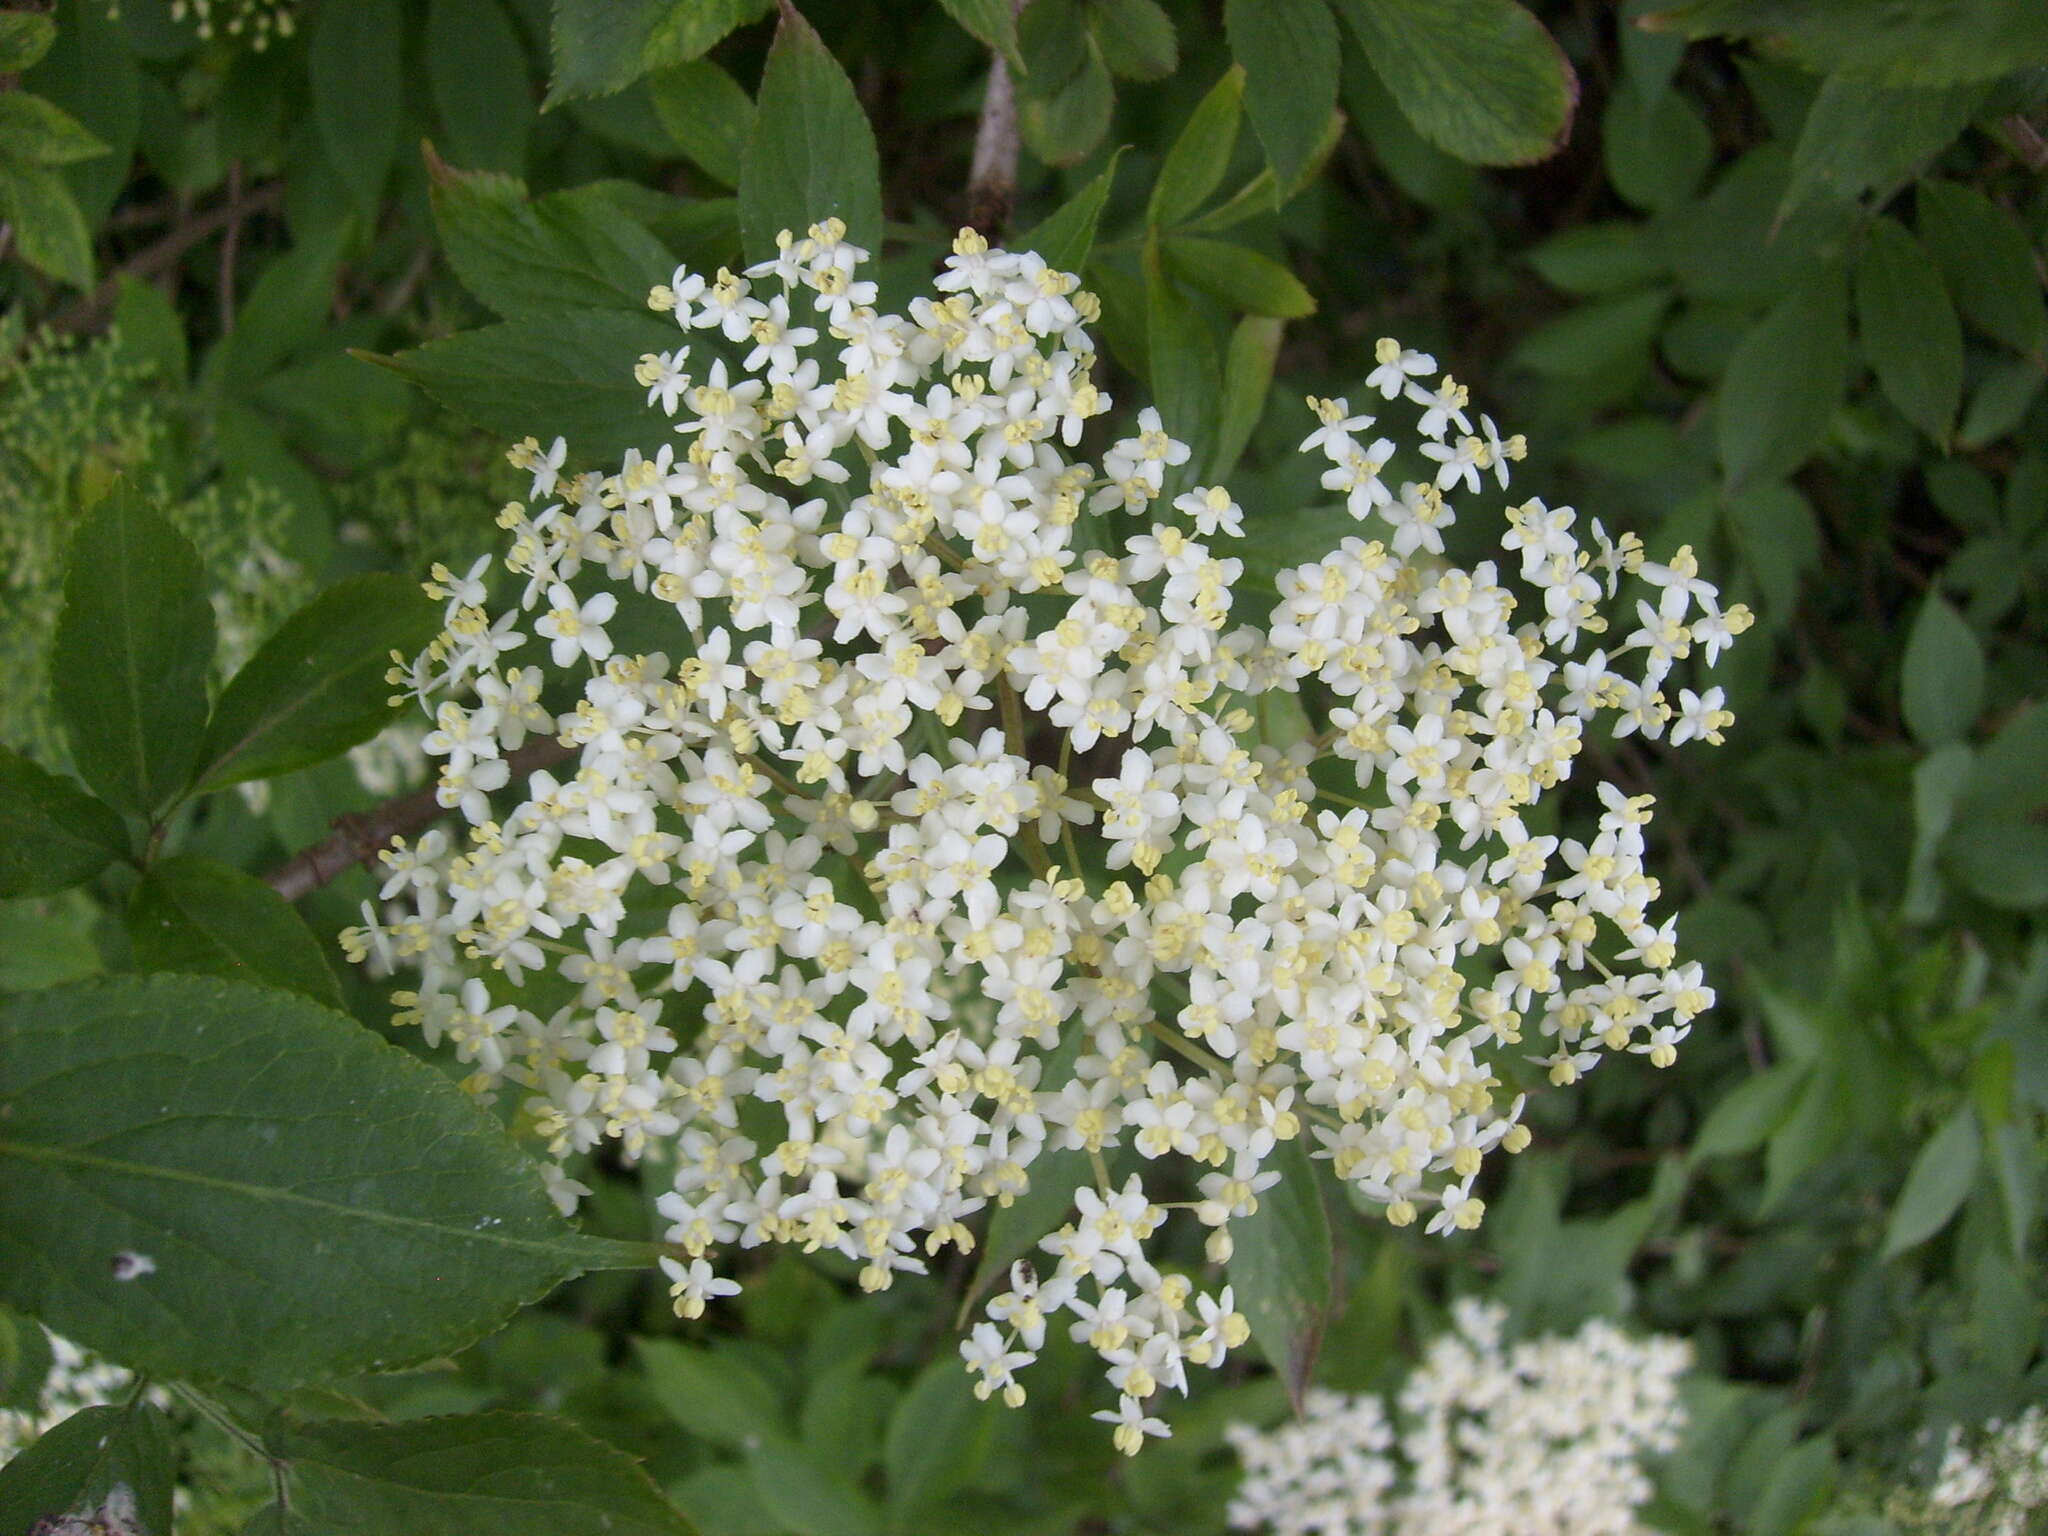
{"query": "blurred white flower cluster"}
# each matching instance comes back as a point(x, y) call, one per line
point(1543, 1438)
point(1994, 1482)
point(75, 1380)
point(931, 703)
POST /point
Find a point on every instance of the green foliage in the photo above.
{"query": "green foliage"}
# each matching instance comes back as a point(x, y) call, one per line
point(1480, 79)
point(78, 1465)
point(52, 834)
point(1280, 1270)
point(198, 916)
point(318, 686)
point(131, 654)
point(1289, 52)
point(355, 64)
point(566, 251)
point(152, 1124)
point(811, 155)
point(519, 1473)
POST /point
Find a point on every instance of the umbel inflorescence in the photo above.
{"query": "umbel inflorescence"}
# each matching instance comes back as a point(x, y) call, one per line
point(933, 832)
point(1541, 1438)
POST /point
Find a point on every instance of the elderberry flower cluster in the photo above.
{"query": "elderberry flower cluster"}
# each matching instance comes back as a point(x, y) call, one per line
point(867, 693)
point(1544, 1438)
point(74, 1381)
point(254, 22)
point(1992, 1482)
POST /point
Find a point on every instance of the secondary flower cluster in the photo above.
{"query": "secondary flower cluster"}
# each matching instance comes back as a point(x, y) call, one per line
point(1994, 1481)
point(75, 1381)
point(875, 696)
point(1544, 1438)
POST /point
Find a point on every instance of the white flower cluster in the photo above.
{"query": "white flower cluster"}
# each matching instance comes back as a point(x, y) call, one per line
point(905, 726)
point(2000, 1482)
point(1541, 1439)
point(76, 1380)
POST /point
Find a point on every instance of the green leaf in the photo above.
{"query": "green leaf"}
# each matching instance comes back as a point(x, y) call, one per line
point(1656, 148)
point(1243, 279)
point(1798, 1487)
point(1890, 44)
point(1938, 780)
point(1748, 1114)
point(288, 310)
point(1280, 1268)
point(1201, 154)
point(73, 1468)
point(1015, 1229)
point(1068, 233)
point(811, 155)
point(1941, 683)
point(25, 36)
point(1247, 379)
point(689, 29)
point(844, 1414)
point(1240, 277)
point(1779, 538)
point(1136, 38)
point(2016, 1168)
point(1290, 53)
point(1911, 338)
point(25, 1360)
point(355, 68)
point(716, 1397)
point(2000, 403)
point(1415, 165)
point(151, 331)
point(511, 1474)
point(1597, 259)
point(566, 251)
point(49, 230)
point(477, 71)
point(133, 644)
point(1860, 137)
point(1987, 261)
point(1186, 384)
point(1069, 95)
point(42, 133)
point(992, 23)
point(198, 916)
point(1596, 338)
point(1806, 1138)
point(1997, 843)
point(603, 46)
point(152, 1128)
point(52, 833)
point(706, 113)
point(569, 373)
point(938, 1437)
point(807, 1498)
point(1480, 79)
point(599, 46)
point(93, 76)
point(1784, 382)
point(1940, 1178)
point(317, 687)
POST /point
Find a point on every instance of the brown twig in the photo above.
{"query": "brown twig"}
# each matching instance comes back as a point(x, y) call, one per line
point(90, 310)
point(359, 838)
point(992, 174)
point(400, 293)
point(230, 247)
point(2026, 140)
